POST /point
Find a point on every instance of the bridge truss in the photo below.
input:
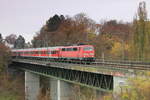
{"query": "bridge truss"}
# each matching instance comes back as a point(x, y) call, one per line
point(99, 81)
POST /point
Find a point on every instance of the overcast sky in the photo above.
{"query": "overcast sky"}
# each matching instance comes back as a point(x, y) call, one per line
point(26, 17)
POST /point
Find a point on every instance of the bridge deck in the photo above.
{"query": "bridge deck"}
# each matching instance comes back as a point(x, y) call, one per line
point(115, 70)
point(98, 76)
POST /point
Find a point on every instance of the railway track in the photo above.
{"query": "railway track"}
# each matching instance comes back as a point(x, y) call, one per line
point(107, 63)
point(123, 64)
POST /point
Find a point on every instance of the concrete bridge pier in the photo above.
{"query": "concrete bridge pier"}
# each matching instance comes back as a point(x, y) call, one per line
point(119, 82)
point(32, 83)
point(60, 90)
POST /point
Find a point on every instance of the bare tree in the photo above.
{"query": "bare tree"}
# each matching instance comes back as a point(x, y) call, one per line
point(11, 38)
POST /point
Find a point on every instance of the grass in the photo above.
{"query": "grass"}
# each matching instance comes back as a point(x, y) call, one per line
point(8, 96)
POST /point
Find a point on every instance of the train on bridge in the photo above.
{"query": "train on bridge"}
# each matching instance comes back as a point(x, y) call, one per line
point(77, 52)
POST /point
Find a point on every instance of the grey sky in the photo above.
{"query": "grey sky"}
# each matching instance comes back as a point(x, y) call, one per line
point(26, 17)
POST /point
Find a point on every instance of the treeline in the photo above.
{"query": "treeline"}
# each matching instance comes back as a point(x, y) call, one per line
point(60, 30)
point(13, 41)
point(111, 39)
point(11, 87)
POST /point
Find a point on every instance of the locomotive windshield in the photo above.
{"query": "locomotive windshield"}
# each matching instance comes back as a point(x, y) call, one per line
point(88, 48)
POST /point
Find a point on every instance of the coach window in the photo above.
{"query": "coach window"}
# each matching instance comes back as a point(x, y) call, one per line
point(49, 52)
point(69, 49)
point(75, 49)
point(66, 49)
point(53, 52)
point(88, 48)
point(63, 49)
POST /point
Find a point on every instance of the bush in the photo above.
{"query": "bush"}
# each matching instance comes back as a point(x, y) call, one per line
point(138, 89)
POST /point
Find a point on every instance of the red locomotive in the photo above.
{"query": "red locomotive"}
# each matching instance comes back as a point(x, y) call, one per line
point(78, 52)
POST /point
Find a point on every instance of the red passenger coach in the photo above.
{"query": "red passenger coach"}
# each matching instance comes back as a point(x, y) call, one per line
point(78, 52)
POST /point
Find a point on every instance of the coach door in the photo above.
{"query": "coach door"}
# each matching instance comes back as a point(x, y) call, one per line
point(79, 52)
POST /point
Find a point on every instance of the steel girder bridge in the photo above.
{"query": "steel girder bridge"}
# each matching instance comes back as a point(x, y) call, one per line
point(98, 77)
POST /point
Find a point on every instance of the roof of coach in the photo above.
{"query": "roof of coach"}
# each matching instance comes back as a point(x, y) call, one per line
point(76, 46)
point(34, 49)
point(51, 48)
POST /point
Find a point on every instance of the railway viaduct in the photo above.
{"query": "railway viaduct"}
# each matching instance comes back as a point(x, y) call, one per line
point(103, 76)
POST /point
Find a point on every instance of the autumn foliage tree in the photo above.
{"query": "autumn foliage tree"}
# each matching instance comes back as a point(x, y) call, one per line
point(138, 89)
point(10, 88)
point(48, 33)
point(113, 39)
point(120, 30)
point(141, 35)
point(4, 57)
point(60, 30)
point(78, 29)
